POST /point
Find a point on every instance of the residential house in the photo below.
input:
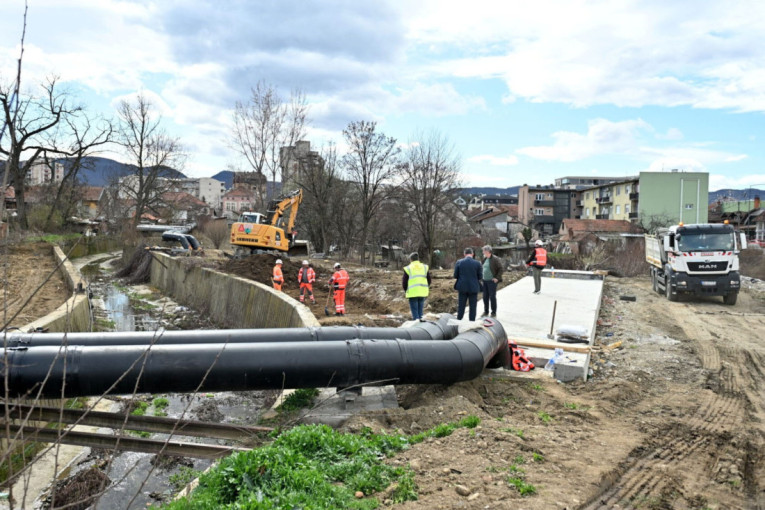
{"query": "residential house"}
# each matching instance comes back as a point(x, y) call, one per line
point(90, 199)
point(239, 199)
point(544, 208)
point(206, 189)
point(582, 235)
point(182, 207)
point(501, 219)
point(612, 201)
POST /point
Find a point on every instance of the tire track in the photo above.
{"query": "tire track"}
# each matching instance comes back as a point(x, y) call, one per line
point(645, 476)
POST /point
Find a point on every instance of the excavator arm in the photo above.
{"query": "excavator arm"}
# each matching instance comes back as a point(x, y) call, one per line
point(277, 209)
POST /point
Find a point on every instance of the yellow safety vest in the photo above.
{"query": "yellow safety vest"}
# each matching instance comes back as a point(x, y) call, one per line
point(418, 280)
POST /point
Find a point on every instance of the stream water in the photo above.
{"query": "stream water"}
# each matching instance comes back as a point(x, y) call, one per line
point(139, 480)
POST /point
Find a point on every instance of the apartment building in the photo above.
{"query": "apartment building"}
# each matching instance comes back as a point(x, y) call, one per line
point(544, 208)
point(613, 201)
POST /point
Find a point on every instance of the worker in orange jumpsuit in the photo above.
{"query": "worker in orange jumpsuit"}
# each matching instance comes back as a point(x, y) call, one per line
point(339, 282)
point(278, 276)
point(306, 277)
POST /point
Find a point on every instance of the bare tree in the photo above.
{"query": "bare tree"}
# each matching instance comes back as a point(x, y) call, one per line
point(263, 125)
point(81, 138)
point(322, 192)
point(430, 177)
point(27, 120)
point(153, 152)
point(372, 165)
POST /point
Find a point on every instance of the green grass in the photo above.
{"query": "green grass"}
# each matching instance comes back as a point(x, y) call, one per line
point(299, 399)
point(160, 405)
point(519, 460)
point(523, 488)
point(536, 387)
point(53, 238)
point(182, 478)
point(105, 324)
point(538, 457)
point(517, 432)
point(313, 466)
point(546, 418)
point(571, 405)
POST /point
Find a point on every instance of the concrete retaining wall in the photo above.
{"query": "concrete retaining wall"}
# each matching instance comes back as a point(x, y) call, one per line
point(229, 300)
point(74, 314)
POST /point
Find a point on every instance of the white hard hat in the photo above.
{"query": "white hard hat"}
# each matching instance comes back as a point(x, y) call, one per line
point(539, 242)
point(305, 262)
point(279, 261)
point(337, 264)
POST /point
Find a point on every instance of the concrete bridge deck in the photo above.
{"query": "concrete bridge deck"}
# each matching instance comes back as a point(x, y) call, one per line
point(527, 317)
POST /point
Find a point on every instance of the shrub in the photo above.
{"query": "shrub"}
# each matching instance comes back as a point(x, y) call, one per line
point(217, 231)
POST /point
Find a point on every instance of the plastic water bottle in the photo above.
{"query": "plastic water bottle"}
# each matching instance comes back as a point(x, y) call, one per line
point(556, 357)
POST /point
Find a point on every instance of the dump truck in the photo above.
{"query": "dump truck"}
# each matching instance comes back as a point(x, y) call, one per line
point(273, 232)
point(698, 259)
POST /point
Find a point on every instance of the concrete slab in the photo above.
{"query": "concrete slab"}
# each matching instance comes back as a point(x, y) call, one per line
point(334, 409)
point(528, 316)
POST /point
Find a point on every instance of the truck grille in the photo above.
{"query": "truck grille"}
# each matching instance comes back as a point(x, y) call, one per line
point(708, 266)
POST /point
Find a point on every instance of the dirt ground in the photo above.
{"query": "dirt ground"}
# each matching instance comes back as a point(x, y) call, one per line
point(27, 266)
point(673, 418)
point(374, 296)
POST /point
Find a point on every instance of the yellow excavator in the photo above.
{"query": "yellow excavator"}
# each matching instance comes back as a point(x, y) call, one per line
point(254, 232)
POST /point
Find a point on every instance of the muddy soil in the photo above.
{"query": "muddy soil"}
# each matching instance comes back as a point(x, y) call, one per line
point(673, 417)
point(374, 296)
point(27, 266)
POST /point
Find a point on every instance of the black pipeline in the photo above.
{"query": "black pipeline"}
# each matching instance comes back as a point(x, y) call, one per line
point(436, 330)
point(88, 371)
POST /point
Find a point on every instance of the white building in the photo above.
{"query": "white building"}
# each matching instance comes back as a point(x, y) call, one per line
point(205, 189)
point(41, 173)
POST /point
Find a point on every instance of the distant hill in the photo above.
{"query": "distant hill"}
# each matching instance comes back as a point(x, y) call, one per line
point(226, 177)
point(97, 171)
point(736, 194)
point(512, 190)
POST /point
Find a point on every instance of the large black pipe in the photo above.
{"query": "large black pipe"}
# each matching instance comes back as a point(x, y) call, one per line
point(88, 371)
point(436, 330)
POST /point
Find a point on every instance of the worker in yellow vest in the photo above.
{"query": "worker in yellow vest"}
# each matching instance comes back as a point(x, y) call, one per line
point(416, 283)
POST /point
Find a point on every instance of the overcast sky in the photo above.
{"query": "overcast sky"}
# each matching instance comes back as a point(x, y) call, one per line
point(527, 91)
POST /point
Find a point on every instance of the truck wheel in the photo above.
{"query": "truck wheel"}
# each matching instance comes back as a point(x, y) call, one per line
point(730, 299)
point(668, 289)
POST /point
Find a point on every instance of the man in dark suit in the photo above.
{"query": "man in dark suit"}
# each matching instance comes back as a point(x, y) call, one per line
point(468, 273)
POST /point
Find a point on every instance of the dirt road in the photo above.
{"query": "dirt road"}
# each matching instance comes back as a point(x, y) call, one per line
point(672, 418)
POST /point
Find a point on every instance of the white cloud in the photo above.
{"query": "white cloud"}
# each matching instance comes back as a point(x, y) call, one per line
point(631, 53)
point(671, 134)
point(625, 138)
point(602, 137)
point(720, 181)
point(494, 160)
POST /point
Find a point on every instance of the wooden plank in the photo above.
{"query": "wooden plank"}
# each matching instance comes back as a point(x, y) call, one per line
point(541, 344)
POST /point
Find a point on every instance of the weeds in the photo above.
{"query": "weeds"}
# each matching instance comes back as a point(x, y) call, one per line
point(519, 460)
point(182, 478)
point(571, 405)
point(538, 457)
point(523, 488)
point(517, 432)
point(536, 387)
point(299, 399)
point(546, 418)
point(160, 406)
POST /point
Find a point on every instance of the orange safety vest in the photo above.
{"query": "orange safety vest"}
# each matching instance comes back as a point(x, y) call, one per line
point(278, 276)
point(519, 361)
point(340, 279)
point(310, 275)
point(540, 256)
